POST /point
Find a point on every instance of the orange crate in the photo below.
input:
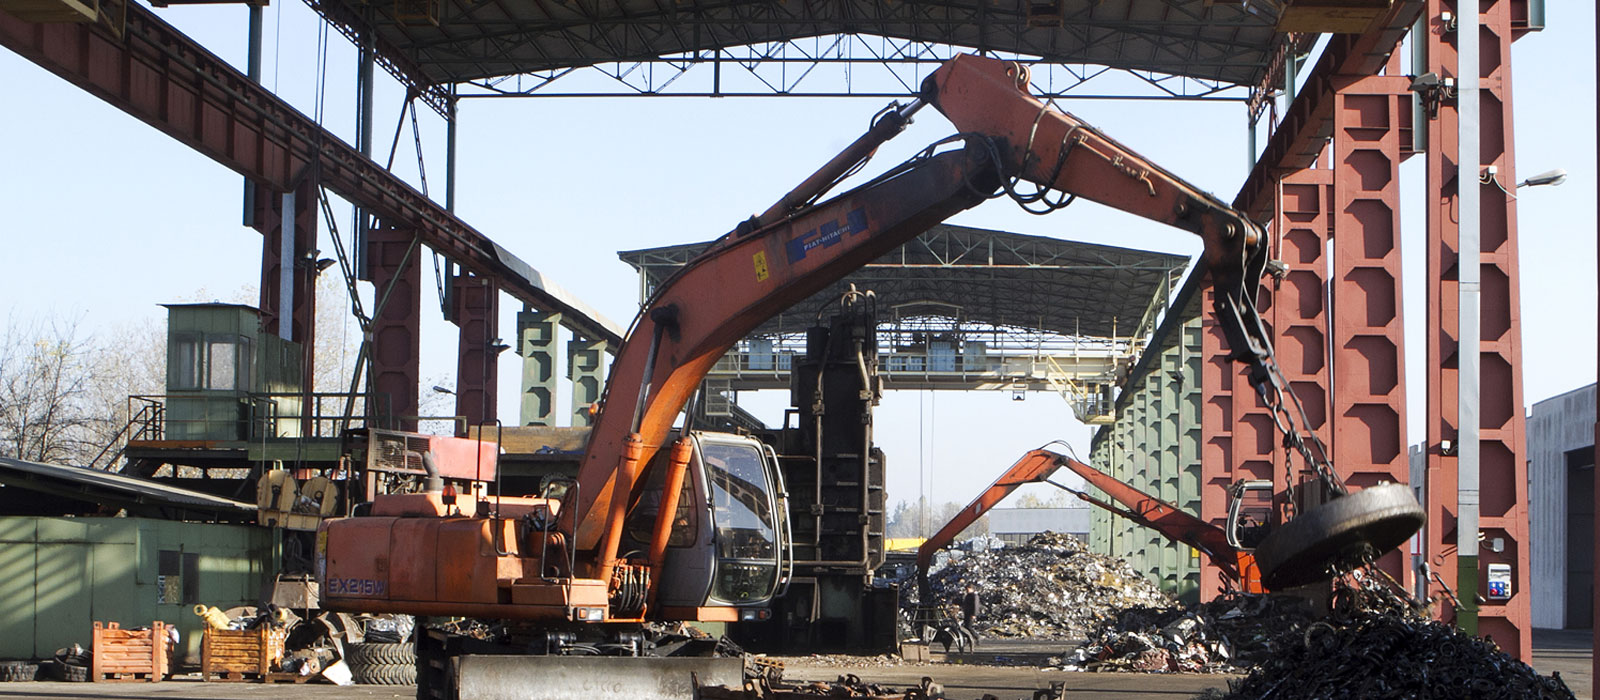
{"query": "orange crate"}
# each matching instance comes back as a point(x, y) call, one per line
point(236, 655)
point(129, 655)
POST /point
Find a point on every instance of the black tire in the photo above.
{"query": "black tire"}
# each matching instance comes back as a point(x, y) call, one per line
point(357, 655)
point(1342, 531)
point(69, 672)
point(384, 674)
point(13, 671)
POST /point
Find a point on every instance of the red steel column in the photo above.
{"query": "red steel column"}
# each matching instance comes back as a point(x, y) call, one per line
point(1240, 440)
point(1238, 437)
point(302, 317)
point(1502, 452)
point(477, 313)
point(396, 326)
point(1299, 314)
point(1216, 443)
point(1371, 136)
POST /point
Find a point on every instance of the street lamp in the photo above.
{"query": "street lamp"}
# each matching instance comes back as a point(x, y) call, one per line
point(1549, 177)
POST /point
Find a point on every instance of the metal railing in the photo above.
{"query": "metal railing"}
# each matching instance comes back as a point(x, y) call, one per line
point(260, 416)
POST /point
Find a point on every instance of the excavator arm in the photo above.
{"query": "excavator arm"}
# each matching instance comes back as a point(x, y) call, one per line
point(746, 278)
point(797, 247)
point(1037, 466)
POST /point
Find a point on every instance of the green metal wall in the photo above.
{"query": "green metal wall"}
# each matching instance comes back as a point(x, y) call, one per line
point(1154, 445)
point(60, 575)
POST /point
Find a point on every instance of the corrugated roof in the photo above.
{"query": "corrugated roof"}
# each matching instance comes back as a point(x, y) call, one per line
point(1232, 42)
point(119, 491)
point(991, 277)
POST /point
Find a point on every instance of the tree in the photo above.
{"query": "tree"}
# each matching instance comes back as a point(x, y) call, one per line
point(44, 391)
point(921, 520)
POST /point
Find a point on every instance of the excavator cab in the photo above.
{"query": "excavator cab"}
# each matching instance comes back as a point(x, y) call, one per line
point(1249, 513)
point(730, 545)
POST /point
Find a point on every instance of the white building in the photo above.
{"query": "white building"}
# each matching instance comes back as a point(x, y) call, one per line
point(1016, 525)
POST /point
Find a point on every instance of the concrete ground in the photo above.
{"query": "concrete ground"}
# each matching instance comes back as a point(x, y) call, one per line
point(1567, 652)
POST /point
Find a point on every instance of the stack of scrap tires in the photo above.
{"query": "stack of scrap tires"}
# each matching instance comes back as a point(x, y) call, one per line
point(382, 663)
point(11, 671)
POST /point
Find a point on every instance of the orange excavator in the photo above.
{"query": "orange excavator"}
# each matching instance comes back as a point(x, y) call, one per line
point(662, 525)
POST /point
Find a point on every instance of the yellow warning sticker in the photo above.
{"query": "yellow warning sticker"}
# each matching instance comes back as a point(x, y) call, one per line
point(761, 266)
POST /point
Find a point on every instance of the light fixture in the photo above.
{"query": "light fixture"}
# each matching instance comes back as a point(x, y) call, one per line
point(441, 390)
point(1548, 177)
point(324, 264)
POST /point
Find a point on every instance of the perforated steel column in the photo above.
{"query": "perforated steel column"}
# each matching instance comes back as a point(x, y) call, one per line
point(536, 333)
point(1300, 316)
point(1501, 453)
point(586, 367)
point(1372, 118)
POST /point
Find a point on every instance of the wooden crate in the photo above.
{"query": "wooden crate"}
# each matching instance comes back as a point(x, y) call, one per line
point(237, 655)
point(129, 655)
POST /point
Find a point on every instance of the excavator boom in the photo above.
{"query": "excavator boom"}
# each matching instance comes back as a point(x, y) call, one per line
point(1037, 466)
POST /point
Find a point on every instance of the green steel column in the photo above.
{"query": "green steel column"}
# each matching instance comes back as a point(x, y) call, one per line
point(1100, 520)
point(1192, 360)
point(536, 343)
point(586, 367)
point(1174, 555)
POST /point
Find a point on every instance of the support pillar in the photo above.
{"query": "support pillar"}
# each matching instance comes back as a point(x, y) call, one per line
point(586, 367)
point(395, 257)
point(477, 314)
point(1240, 440)
point(1502, 465)
point(288, 301)
point(1371, 136)
point(1299, 314)
point(536, 340)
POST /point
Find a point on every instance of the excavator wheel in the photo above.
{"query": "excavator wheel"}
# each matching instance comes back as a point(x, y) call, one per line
point(1341, 532)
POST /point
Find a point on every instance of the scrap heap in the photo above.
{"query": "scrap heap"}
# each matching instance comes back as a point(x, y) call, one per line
point(1226, 635)
point(1371, 654)
point(1375, 644)
point(1052, 587)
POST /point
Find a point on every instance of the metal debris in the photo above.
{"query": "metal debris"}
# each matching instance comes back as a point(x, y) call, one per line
point(1369, 654)
point(848, 686)
point(1226, 635)
point(1052, 587)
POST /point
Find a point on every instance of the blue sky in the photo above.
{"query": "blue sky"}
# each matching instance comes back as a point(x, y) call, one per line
point(106, 217)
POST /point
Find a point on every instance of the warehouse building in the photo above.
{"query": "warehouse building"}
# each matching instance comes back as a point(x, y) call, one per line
point(1561, 432)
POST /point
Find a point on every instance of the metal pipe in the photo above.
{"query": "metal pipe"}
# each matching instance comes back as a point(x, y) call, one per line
point(672, 486)
point(1468, 264)
point(450, 158)
point(364, 111)
point(893, 121)
point(253, 71)
point(633, 449)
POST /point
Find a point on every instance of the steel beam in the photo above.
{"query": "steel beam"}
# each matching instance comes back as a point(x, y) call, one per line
point(395, 262)
point(1308, 123)
point(153, 72)
point(1372, 122)
point(1501, 441)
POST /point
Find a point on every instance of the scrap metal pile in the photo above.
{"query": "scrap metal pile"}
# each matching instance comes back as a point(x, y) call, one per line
point(1371, 654)
point(1227, 635)
point(1051, 587)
